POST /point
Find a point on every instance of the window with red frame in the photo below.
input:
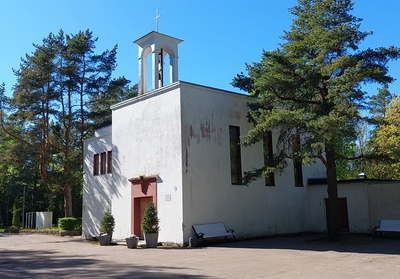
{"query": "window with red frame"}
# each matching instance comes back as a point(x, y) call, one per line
point(96, 164)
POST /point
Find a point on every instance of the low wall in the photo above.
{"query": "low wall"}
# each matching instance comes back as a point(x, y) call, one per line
point(368, 202)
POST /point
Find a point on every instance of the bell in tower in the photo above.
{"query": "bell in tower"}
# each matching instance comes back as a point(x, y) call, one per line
point(158, 46)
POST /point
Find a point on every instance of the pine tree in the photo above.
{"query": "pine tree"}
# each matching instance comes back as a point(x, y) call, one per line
point(310, 89)
point(55, 89)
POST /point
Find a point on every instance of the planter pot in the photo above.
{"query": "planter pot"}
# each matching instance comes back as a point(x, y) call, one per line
point(151, 240)
point(193, 242)
point(131, 242)
point(104, 239)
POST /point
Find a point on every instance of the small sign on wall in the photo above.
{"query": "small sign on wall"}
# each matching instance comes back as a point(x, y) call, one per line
point(168, 197)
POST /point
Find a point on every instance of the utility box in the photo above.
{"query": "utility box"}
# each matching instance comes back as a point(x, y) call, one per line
point(44, 219)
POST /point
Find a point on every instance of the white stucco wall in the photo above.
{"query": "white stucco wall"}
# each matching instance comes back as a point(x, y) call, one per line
point(384, 201)
point(208, 193)
point(96, 189)
point(180, 134)
point(146, 138)
point(357, 198)
point(368, 202)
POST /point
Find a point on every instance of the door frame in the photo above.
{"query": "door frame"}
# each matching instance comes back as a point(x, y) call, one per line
point(141, 187)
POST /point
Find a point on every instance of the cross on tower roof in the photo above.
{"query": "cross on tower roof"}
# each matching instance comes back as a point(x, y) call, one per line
point(156, 18)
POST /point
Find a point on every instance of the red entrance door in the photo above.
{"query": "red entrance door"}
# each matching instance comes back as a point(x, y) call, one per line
point(143, 191)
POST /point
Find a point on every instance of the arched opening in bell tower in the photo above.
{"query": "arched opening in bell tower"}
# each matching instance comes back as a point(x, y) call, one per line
point(147, 81)
point(161, 68)
point(165, 68)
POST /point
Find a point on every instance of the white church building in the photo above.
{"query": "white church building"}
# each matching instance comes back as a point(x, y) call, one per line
point(177, 146)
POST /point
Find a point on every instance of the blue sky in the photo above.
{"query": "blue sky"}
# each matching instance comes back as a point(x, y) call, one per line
point(219, 36)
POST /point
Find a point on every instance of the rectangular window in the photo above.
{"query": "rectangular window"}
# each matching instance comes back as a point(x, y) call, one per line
point(96, 164)
point(109, 162)
point(297, 164)
point(103, 163)
point(268, 158)
point(234, 146)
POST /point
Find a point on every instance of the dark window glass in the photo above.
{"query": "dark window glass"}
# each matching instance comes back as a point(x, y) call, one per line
point(96, 164)
point(297, 164)
point(103, 163)
point(268, 158)
point(236, 164)
point(109, 162)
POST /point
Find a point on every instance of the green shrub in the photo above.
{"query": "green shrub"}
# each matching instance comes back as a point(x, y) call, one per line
point(78, 225)
point(150, 220)
point(107, 224)
point(70, 224)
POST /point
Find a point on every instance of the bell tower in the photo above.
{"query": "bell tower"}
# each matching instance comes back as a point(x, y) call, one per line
point(158, 45)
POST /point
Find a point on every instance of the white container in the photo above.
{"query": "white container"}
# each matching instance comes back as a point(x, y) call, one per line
point(44, 219)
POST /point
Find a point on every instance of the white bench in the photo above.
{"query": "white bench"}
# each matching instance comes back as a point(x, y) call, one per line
point(212, 230)
point(388, 226)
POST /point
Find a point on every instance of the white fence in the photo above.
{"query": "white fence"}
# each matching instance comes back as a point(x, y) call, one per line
point(38, 220)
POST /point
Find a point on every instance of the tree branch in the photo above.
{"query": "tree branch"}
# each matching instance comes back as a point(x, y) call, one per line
point(10, 133)
point(295, 100)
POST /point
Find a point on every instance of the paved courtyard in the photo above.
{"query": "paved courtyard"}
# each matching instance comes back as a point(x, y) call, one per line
point(306, 256)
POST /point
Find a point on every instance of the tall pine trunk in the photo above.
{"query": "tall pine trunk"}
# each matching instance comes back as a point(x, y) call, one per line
point(67, 169)
point(333, 207)
point(67, 200)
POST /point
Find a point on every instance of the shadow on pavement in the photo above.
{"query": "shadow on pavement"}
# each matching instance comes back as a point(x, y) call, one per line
point(42, 264)
point(318, 242)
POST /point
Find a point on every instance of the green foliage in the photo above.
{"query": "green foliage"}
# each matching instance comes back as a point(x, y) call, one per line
point(378, 105)
point(70, 224)
point(107, 223)
point(17, 164)
point(311, 87)
point(386, 143)
point(150, 220)
point(117, 91)
point(16, 215)
point(344, 168)
point(369, 158)
point(63, 90)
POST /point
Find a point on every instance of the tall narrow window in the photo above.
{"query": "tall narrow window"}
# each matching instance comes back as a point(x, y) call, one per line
point(268, 158)
point(109, 161)
point(297, 164)
point(236, 164)
point(103, 163)
point(96, 164)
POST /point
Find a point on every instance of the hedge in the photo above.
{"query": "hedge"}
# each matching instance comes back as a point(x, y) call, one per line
point(70, 224)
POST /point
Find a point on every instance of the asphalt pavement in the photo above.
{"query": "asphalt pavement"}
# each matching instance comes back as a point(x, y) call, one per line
point(304, 256)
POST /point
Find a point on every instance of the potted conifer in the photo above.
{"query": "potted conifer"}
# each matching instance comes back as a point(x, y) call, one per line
point(107, 225)
point(150, 226)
